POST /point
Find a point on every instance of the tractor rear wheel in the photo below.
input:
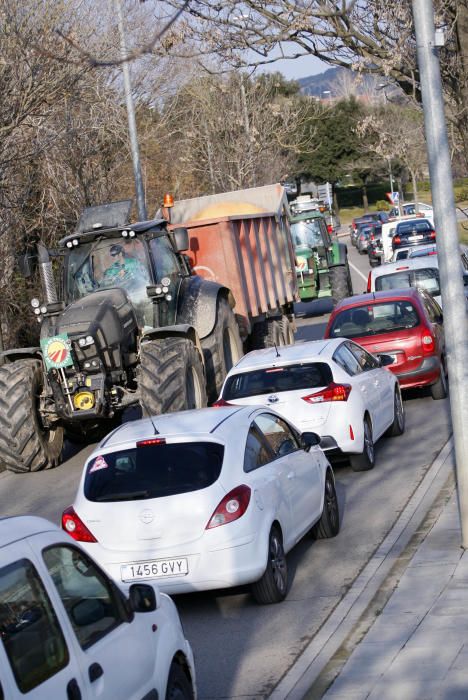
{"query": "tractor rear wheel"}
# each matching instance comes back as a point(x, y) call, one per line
point(221, 349)
point(171, 376)
point(26, 445)
point(339, 283)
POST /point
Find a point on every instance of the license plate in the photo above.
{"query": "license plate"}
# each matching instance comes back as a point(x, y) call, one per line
point(416, 238)
point(154, 569)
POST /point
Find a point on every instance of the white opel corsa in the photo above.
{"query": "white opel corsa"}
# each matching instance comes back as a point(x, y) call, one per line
point(332, 387)
point(204, 499)
point(68, 631)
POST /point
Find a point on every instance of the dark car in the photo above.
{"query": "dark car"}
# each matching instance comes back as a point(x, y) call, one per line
point(403, 323)
point(413, 232)
point(375, 217)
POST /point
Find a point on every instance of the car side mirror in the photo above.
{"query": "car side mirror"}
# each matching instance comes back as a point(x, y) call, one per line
point(386, 360)
point(143, 598)
point(181, 239)
point(310, 440)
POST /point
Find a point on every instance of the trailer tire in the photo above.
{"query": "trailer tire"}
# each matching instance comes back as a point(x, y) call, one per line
point(171, 376)
point(339, 283)
point(25, 445)
point(287, 331)
point(221, 349)
point(268, 333)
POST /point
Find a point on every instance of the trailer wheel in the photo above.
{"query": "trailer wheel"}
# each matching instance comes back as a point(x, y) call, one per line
point(339, 282)
point(268, 333)
point(171, 376)
point(221, 349)
point(286, 331)
point(26, 445)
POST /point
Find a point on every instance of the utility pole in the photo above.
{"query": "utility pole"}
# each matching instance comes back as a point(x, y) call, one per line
point(140, 193)
point(455, 314)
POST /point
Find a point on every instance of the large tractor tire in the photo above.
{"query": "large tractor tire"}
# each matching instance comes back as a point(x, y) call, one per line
point(25, 444)
point(339, 283)
point(272, 332)
point(171, 376)
point(221, 349)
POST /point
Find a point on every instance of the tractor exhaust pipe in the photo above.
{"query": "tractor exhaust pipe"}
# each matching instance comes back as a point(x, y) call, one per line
point(47, 274)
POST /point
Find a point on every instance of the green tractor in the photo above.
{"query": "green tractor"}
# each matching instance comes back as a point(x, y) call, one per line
point(322, 266)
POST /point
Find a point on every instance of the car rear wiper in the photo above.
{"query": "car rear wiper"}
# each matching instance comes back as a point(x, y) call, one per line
point(123, 496)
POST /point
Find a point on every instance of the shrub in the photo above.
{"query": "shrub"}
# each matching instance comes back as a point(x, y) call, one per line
point(382, 205)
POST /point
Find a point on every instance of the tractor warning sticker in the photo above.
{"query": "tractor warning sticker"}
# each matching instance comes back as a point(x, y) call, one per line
point(57, 351)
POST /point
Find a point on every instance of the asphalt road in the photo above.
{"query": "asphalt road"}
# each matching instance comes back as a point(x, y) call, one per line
point(242, 650)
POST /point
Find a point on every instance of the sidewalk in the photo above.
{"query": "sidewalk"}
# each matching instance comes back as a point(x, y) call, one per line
point(417, 648)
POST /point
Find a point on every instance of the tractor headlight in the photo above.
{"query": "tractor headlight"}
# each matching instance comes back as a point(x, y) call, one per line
point(35, 303)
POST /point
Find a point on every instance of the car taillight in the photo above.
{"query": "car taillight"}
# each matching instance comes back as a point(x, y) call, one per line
point(333, 392)
point(231, 508)
point(330, 228)
point(397, 240)
point(433, 234)
point(75, 527)
point(427, 341)
point(372, 237)
point(369, 282)
point(222, 402)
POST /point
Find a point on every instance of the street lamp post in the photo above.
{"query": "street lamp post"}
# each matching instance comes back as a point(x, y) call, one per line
point(455, 315)
point(132, 129)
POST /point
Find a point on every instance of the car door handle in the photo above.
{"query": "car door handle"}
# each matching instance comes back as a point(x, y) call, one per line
point(73, 690)
point(95, 671)
point(291, 475)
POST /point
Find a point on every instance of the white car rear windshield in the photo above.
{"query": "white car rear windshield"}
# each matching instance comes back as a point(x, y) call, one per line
point(153, 471)
point(374, 319)
point(424, 278)
point(275, 379)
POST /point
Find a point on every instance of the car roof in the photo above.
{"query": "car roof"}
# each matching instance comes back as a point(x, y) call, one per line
point(200, 423)
point(405, 264)
point(18, 527)
point(375, 297)
point(309, 351)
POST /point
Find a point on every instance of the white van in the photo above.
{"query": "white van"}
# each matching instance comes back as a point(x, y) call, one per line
point(69, 631)
point(388, 231)
point(414, 272)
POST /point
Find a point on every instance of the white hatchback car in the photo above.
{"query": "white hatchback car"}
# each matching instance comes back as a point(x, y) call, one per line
point(412, 272)
point(333, 387)
point(204, 499)
point(68, 631)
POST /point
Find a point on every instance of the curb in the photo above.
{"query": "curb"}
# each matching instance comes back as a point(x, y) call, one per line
point(310, 664)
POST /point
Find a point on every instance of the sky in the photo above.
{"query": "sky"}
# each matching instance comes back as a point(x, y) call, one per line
point(298, 67)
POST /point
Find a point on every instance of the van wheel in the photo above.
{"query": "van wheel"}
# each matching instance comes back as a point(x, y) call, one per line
point(439, 389)
point(273, 585)
point(178, 685)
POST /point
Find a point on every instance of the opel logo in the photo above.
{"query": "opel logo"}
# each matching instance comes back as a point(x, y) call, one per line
point(146, 516)
point(273, 398)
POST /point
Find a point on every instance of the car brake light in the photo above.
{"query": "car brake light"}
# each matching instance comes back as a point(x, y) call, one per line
point(397, 239)
point(369, 282)
point(222, 402)
point(330, 228)
point(433, 234)
point(231, 508)
point(333, 392)
point(151, 441)
point(427, 341)
point(75, 527)
point(405, 267)
point(372, 237)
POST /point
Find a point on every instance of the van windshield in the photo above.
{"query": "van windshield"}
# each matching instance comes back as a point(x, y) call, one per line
point(153, 471)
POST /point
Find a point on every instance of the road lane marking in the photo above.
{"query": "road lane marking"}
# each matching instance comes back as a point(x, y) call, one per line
point(358, 271)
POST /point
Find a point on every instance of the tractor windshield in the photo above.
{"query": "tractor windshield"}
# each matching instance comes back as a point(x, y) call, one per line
point(106, 263)
point(307, 233)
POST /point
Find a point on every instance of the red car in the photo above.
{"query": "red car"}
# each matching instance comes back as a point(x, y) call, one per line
point(403, 323)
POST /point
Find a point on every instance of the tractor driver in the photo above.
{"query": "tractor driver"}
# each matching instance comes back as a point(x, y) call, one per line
point(125, 270)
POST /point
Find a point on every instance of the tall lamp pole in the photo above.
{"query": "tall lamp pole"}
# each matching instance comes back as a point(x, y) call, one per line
point(140, 192)
point(455, 314)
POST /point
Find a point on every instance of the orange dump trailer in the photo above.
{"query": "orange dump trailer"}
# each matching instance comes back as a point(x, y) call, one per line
point(242, 240)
